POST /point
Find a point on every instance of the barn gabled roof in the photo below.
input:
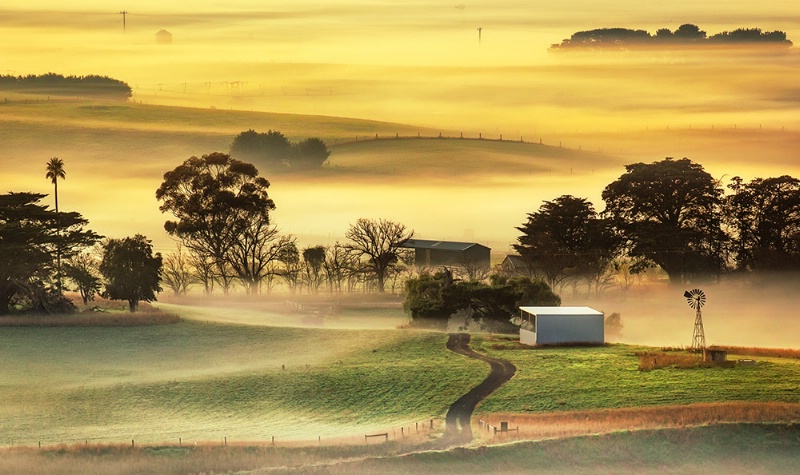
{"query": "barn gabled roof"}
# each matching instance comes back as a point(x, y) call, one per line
point(440, 245)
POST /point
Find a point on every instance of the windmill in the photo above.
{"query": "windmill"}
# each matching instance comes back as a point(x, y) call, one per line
point(696, 299)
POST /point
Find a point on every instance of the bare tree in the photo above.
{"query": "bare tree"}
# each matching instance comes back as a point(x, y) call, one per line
point(379, 242)
point(335, 267)
point(289, 256)
point(176, 272)
point(204, 268)
point(250, 255)
point(473, 270)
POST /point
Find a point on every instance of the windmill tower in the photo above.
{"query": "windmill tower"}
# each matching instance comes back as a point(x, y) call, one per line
point(696, 299)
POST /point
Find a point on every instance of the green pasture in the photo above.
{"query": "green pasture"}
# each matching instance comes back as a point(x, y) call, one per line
point(201, 381)
point(572, 379)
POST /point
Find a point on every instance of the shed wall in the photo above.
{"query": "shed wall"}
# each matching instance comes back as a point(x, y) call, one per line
point(527, 337)
point(569, 329)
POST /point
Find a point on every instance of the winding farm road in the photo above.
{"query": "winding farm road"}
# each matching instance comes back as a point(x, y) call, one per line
point(457, 421)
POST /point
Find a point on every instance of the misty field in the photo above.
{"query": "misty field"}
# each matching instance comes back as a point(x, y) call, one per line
point(199, 381)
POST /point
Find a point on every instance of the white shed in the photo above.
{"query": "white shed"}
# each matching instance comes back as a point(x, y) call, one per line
point(554, 325)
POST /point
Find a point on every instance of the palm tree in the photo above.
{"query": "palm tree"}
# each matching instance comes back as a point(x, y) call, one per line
point(55, 170)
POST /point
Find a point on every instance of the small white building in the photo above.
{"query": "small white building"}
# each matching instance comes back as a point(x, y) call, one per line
point(555, 325)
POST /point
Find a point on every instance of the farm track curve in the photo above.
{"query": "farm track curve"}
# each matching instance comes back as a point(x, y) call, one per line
point(457, 420)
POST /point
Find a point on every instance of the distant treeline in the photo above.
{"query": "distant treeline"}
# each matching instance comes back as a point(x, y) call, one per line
point(57, 84)
point(685, 34)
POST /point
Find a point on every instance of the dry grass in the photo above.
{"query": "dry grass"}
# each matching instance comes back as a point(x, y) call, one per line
point(210, 457)
point(765, 352)
point(568, 424)
point(100, 313)
point(649, 361)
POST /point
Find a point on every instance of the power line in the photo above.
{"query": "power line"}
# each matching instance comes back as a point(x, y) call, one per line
point(123, 13)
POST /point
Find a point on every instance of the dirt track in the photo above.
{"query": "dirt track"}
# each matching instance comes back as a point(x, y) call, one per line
point(457, 428)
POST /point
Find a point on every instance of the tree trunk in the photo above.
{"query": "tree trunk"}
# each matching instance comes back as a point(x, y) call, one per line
point(132, 305)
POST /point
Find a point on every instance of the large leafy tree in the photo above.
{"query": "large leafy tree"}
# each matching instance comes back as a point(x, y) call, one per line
point(379, 245)
point(764, 219)
point(131, 271)
point(565, 237)
point(310, 153)
point(223, 209)
point(669, 212)
point(271, 148)
point(434, 298)
point(30, 237)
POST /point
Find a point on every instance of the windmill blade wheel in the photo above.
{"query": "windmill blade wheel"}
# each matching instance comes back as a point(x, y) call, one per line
point(695, 297)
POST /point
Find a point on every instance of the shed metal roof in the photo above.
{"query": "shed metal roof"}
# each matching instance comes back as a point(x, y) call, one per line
point(441, 245)
point(560, 311)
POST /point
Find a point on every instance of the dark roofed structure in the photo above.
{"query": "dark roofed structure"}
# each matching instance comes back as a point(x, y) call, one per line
point(429, 253)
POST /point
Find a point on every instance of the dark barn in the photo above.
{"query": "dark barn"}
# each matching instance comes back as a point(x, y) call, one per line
point(448, 253)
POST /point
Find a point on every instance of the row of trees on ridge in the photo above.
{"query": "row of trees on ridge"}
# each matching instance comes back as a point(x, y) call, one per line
point(686, 34)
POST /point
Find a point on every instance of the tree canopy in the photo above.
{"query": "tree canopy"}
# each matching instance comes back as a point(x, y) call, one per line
point(30, 237)
point(275, 151)
point(435, 297)
point(565, 237)
point(92, 85)
point(669, 212)
point(223, 210)
point(686, 34)
point(131, 271)
point(764, 219)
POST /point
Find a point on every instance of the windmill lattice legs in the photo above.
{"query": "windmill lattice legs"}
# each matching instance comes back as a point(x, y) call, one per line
point(699, 338)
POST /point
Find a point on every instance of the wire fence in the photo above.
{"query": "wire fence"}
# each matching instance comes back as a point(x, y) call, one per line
point(407, 432)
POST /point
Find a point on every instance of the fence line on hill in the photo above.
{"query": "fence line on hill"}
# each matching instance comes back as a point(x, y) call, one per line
point(505, 138)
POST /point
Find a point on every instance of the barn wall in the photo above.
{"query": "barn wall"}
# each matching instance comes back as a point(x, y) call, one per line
point(569, 329)
point(478, 254)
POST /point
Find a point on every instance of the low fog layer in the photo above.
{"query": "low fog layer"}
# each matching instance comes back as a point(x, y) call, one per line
point(758, 312)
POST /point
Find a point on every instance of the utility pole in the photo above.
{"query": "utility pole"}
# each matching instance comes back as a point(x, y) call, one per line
point(479, 34)
point(123, 13)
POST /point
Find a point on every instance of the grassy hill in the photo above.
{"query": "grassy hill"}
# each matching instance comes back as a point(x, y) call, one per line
point(203, 381)
point(146, 139)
